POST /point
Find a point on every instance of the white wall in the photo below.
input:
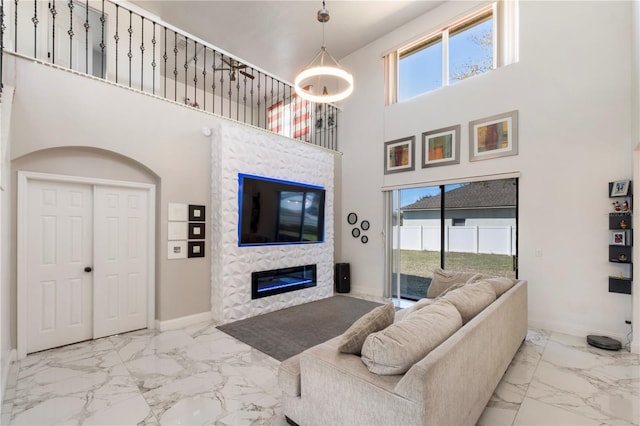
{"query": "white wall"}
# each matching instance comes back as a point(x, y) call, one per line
point(239, 149)
point(5, 295)
point(635, 138)
point(57, 109)
point(572, 88)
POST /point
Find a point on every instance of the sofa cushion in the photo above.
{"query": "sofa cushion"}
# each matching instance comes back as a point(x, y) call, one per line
point(404, 313)
point(442, 280)
point(396, 348)
point(500, 284)
point(378, 319)
point(471, 299)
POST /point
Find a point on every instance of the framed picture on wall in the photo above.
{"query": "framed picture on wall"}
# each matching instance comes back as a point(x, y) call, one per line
point(196, 231)
point(619, 188)
point(176, 231)
point(619, 238)
point(177, 250)
point(492, 137)
point(196, 248)
point(441, 147)
point(177, 212)
point(399, 155)
point(196, 213)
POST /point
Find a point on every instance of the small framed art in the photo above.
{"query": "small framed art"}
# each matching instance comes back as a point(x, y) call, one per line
point(176, 250)
point(441, 147)
point(196, 248)
point(619, 188)
point(177, 212)
point(493, 137)
point(619, 238)
point(399, 155)
point(352, 218)
point(196, 213)
point(196, 230)
point(176, 231)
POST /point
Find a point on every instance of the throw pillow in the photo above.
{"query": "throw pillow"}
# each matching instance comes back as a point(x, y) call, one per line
point(500, 284)
point(396, 348)
point(378, 319)
point(470, 300)
point(442, 280)
point(417, 306)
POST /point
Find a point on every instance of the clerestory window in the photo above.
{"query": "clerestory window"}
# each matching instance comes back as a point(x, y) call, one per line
point(480, 42)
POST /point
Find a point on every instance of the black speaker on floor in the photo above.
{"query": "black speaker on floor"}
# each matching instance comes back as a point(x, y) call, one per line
point(342, 278)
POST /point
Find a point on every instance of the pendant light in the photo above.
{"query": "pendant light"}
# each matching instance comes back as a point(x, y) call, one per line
point(321, 80)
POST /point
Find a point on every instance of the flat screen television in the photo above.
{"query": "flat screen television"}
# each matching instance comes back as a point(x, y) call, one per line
point(273, 211)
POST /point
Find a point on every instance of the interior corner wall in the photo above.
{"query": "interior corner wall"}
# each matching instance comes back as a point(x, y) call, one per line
point(241, 149)
point(635, 138)
point(6, 352)
point(575, 126)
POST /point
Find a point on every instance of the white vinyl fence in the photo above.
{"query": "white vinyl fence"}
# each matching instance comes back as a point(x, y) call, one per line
point(464, 239)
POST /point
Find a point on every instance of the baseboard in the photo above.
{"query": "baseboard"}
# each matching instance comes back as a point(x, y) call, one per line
point(362, 295)
point(572, 330)
point(635, 348)
point(181, 322)
point(6, 367)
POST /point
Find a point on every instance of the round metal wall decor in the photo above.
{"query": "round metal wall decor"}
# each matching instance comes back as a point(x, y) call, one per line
point(352, 218)
point(364, 239)
point(364, 225)
point(355, 232)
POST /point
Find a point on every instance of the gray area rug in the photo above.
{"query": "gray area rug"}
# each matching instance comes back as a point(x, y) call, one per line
point(287, 332)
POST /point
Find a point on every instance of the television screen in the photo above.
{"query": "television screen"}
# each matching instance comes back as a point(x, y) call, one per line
point(273, 211)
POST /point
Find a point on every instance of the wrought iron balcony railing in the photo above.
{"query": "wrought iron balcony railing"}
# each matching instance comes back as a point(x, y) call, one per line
point(105, 39)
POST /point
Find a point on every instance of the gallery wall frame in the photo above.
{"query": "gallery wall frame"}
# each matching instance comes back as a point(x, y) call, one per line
point(196, 249)
point(493, 137)
point(196, 230)
point(441, 147)
point(619, 238)
point(196, 213)
point(619, 188)
point(399, 155)
point(176, 231)
point(176, 250)
point(177, 212)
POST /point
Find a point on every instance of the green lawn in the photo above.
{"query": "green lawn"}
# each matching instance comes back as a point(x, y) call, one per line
point(417, 267)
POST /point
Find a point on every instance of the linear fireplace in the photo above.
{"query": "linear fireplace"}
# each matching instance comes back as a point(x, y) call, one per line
point(276, 281)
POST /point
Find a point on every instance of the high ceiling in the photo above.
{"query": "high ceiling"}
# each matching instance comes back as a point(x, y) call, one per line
point(282, 37)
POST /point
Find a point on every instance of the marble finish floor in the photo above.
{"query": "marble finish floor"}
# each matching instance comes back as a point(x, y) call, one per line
point(199, 375)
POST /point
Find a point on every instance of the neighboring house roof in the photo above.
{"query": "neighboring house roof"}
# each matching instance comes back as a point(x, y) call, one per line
point(496, 193)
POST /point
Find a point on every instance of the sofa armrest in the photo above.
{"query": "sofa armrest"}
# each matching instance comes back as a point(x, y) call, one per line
point(331, 381)
point(289, 376)
point(465, 369)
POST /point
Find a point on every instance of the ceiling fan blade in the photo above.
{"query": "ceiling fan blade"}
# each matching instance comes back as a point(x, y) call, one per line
point(233, 63)
point(246, 74)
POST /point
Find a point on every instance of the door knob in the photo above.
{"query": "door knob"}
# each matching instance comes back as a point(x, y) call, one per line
point(88, 269)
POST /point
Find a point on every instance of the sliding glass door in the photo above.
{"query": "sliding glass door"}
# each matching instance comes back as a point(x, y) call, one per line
point(461, 227)
point(415, 243)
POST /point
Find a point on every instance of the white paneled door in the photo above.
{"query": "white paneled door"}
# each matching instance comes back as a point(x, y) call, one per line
point(87, 262)
point(59, 248)
point(120, 260)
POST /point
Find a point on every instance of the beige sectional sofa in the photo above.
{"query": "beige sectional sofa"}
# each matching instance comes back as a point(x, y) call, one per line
point(451, 385)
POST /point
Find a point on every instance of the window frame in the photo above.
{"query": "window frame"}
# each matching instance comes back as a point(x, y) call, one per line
point(504, 44)
point(392, 206)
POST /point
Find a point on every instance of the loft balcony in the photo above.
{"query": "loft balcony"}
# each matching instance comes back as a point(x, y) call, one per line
point(126, 46)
